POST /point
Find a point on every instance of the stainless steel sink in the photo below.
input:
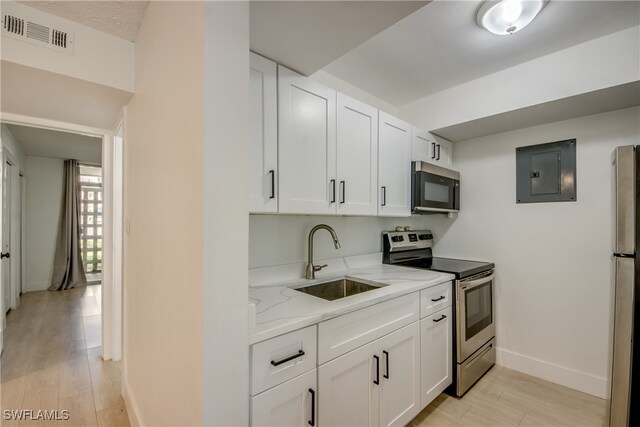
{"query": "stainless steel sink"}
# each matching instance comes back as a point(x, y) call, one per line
point(337, 289)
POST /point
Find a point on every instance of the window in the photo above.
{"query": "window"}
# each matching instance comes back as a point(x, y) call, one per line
point(91, 217)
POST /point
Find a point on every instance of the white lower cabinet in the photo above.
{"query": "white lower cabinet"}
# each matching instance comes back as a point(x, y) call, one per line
point(436, 336)
point(378, 366)
point(375, 385)
point(292, 403)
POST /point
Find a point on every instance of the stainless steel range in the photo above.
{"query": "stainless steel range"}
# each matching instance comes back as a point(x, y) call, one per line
point(474, 328)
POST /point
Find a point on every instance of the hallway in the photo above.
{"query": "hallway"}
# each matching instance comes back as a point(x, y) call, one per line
point(51, 361)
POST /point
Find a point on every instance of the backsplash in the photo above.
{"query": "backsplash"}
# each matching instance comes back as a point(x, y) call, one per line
point(282, 239)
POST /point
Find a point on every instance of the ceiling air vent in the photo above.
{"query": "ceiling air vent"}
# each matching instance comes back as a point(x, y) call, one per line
point(36, 30)
point(13, 25)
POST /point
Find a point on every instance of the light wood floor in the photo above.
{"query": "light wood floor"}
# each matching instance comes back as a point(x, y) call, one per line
point(504, 397)
point(51, 361)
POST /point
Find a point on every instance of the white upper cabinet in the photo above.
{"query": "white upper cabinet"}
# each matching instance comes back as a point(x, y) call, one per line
point(357, 157)
point(263, 148)
point(430, 148)
point(307, 145)
point(394, 166)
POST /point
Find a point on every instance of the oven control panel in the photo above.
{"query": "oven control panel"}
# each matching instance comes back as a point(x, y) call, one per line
point(406, 240)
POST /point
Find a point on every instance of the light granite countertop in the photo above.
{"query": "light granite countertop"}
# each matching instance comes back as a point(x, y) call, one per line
point(280, 309)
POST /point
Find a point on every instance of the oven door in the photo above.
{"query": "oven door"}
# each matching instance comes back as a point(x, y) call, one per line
point(474, 314)
point(435, 192)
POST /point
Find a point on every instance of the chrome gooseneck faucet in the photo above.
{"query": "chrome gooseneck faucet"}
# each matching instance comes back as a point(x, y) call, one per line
point(311, 269)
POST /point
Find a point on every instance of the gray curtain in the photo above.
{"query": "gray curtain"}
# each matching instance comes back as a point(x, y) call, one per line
point(68, 270)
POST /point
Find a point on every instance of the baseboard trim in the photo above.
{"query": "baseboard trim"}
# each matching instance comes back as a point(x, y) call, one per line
point(577, 380)
point(36, 286)
point(132, 407)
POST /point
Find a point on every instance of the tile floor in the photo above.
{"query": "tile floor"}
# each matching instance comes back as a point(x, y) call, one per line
point(51, 360)
point(504, 397)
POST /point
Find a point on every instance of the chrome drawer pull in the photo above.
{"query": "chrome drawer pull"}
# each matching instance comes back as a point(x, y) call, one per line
point(285, 360)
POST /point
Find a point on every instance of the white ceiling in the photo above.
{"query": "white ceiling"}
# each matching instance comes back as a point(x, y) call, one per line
point(119, 18)
point(307, 35)
point(441, 46)
point(57, 145)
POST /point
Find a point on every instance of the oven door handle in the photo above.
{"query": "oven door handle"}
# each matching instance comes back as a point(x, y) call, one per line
point(477, 282)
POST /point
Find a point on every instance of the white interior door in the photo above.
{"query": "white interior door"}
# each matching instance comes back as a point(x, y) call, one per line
point(6, 237)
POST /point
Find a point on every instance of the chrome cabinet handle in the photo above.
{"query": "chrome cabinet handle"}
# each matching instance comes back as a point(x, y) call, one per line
point(286, 359)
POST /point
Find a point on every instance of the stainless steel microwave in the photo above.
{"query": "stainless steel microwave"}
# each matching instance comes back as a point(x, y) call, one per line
point(434, 189)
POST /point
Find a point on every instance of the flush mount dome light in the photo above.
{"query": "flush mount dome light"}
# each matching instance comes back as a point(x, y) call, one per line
point(504, 17)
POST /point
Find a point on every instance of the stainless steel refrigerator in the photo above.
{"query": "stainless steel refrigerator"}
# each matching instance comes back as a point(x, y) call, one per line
point(624, 379)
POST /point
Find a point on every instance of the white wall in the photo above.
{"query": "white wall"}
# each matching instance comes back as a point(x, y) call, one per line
point(163, 241)
point(97, 57)
point(282, 239)
point(43, 203)
point(553, 260)
point(225, 225)
point(12, 146)
point(597, 64)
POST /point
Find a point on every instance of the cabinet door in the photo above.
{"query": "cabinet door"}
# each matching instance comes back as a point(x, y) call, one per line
point(400, 372)
point(443, 154)
point(263, 148)
point(288, 404)
point(357, 158)
point(348, 395)
point(306, 145)
point(436, 355)
point(422, 146)
point(394, 166)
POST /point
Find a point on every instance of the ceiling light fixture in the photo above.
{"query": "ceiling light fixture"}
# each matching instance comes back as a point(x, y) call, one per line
point(505, 17)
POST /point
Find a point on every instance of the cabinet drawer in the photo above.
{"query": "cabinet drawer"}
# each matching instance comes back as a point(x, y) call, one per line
point(345, 333)
point(281, 358)
point(435, 299)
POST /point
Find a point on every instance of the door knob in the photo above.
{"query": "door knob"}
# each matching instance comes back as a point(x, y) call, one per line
point(5, 255)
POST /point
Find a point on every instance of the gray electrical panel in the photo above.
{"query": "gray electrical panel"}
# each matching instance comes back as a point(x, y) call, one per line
point(546, 172)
